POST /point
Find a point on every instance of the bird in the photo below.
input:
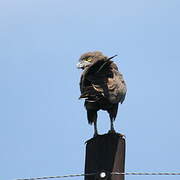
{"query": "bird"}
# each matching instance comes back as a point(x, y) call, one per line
point(102, 86)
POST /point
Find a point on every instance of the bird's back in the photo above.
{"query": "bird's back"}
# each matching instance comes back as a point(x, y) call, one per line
point(108, 86)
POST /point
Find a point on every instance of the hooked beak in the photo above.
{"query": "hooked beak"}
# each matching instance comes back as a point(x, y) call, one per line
point(79, 65)
point(82, 64)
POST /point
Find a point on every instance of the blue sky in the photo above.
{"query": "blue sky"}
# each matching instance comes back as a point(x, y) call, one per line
point(43, 125)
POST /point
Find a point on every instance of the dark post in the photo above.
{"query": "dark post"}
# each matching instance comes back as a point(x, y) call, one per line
point(105, 154)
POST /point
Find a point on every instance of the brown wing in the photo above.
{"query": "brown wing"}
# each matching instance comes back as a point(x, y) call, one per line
point(107, 82)
point(116, 86)
point(87, 89)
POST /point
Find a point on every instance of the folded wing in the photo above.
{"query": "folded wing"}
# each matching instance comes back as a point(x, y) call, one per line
point(103, 80)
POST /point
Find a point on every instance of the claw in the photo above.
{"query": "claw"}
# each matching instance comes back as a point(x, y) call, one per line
point(112, 131)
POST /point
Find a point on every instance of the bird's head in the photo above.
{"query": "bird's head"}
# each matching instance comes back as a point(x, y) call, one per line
point(90, 58)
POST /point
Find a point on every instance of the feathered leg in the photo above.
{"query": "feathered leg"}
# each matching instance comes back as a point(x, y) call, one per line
point(92, 118)
point(112, 114)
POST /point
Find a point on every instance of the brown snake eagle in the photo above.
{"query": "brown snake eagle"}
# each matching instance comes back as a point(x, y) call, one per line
point(102, 86)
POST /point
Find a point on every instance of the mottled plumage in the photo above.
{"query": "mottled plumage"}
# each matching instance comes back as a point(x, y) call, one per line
point(102, 86)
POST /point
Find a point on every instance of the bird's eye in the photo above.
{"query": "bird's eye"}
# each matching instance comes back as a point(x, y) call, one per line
point(89, 59)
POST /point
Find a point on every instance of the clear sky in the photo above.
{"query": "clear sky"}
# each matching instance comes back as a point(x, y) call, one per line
point(43, 125)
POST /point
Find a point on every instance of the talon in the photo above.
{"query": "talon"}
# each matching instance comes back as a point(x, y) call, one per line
point(112, 131)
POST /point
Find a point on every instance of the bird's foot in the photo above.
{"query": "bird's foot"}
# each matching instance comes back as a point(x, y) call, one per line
point(112, 131)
